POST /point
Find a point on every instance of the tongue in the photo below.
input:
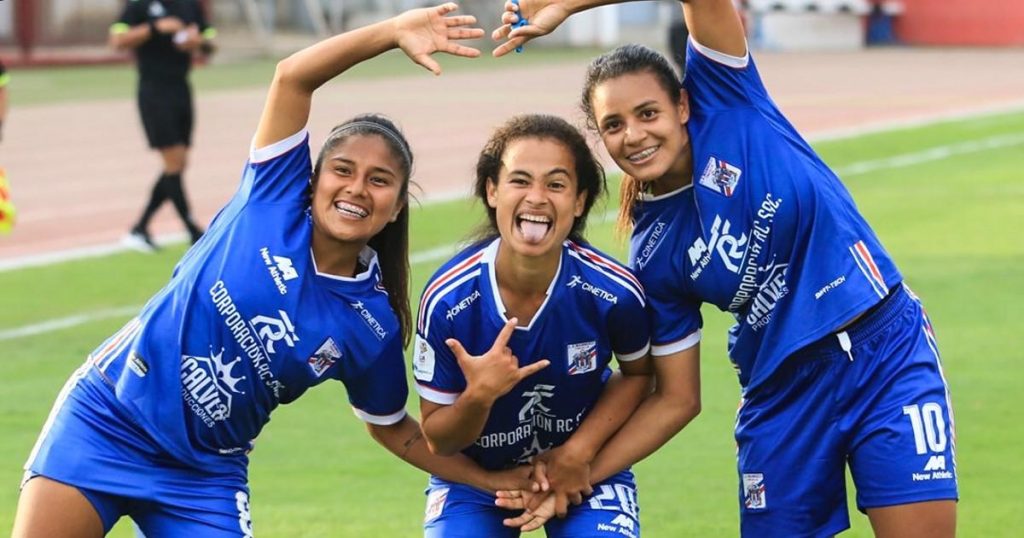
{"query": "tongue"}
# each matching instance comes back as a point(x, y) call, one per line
point(533, 232)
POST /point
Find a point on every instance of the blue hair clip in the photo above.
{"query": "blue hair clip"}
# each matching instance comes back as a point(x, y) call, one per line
point(522, 22)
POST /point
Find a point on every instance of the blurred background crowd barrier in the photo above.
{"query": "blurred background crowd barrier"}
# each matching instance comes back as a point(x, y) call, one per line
point(45, 32)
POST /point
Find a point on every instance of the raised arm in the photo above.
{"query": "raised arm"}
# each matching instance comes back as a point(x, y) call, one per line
point(418, 32)
point(713, 23)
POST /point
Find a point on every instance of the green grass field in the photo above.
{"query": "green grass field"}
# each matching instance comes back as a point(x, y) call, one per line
point(949, 222)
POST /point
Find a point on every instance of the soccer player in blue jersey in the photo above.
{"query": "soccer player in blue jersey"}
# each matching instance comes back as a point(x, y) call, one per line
point(730, 206)
point(516, 333)
point(302, 278)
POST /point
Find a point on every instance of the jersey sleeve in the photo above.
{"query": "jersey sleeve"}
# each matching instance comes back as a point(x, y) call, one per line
point(675, 319)
point(438, 376)
point(379, 393)
point(717, 81)
point(629, 328)
point(280, 172)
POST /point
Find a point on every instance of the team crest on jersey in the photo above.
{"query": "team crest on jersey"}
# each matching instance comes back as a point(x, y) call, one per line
point(754, 491)
point(423, 360)
point(720, 176)
point(325, 357)
point(582, 357)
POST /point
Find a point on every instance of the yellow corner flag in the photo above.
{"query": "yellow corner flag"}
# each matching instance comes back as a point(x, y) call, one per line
point(7, 210)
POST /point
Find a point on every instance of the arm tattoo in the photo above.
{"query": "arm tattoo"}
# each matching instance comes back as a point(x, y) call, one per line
point(410, 442)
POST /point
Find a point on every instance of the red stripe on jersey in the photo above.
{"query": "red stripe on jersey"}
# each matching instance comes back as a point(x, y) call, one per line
point(116, 340)
point(448, 276)
point(865, 254)
point(605, 262)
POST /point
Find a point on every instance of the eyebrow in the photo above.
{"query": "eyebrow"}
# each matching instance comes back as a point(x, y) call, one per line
point(350, 162)
point(553, 171)
point(637, 108)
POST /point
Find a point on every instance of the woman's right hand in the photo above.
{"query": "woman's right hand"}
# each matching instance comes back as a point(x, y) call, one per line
point(491, 375)
point(543, 17)
point(422, 32)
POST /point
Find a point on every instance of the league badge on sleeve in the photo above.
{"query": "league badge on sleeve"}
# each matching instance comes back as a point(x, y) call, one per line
point(582, 357)
point(720, 176)
point(422, 360)
point(325, 357)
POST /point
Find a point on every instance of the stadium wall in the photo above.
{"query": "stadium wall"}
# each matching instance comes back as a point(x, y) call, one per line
point(961, 22)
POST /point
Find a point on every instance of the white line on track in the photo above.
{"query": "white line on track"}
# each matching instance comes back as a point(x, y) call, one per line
point(437, 253)
point(65, 323)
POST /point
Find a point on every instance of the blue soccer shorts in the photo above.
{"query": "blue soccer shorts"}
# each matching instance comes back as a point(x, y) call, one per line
point(461, 511)
point(89, 442)
point(874, 397)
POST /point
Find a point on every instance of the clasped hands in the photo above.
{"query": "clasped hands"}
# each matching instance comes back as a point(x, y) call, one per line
point(561, 477)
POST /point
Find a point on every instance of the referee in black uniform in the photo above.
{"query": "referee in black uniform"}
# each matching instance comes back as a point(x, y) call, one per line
point(164, 35)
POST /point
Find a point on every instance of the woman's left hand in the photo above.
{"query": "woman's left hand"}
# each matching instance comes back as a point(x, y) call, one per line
point(422, 32)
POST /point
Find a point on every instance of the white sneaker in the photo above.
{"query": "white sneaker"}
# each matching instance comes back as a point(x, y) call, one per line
point(139, 241)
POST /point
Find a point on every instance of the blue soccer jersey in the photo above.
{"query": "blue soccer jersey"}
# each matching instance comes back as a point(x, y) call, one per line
point(594, 307)
point(766, 231)
point(247, 323)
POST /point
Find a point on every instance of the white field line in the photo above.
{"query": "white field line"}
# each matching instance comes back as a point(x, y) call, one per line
point(65, 323)
point(444, 251)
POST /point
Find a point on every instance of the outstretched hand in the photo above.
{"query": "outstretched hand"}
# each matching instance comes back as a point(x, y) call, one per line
point(495, 372)
point(543, 17)
point(422, 32)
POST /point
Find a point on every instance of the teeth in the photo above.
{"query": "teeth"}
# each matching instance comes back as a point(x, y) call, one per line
point(643, 154)
point(536, 218)
point(351, 209)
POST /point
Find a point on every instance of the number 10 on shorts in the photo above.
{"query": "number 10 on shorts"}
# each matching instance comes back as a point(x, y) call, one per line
point(929, 427)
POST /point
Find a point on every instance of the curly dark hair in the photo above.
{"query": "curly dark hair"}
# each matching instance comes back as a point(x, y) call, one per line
point(590, 176)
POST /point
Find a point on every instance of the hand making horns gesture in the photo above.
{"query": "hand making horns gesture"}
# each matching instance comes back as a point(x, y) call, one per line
point(495, 372)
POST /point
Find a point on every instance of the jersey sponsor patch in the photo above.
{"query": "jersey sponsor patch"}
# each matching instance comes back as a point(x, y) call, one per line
point(208, 386)
point(435, 504)
point(720, 176)
point(325, 357)
point(582, 357)
point(754, 491)
point(423, 360)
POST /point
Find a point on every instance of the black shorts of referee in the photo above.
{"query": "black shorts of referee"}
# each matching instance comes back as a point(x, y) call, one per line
point(166, 109)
